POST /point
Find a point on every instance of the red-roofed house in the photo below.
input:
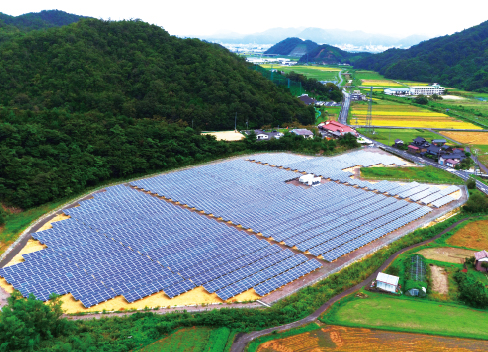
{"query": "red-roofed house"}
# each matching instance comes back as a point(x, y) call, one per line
point(413, 149)
point(337, 129)
point(480, 257)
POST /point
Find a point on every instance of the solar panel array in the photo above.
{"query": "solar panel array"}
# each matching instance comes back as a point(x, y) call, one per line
point(125, 242)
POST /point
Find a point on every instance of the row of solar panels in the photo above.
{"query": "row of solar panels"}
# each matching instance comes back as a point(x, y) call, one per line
point(113, 278)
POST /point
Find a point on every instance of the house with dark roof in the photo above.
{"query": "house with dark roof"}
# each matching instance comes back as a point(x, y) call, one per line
point(433, 151)
point(439, 142)
point(480, 257)
point(418, 146)
point(419, 141)
point(302, 132)
point(454, 158)
point(307, 100)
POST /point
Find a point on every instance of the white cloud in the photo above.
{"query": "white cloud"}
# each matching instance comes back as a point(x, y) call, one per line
point(202, 17)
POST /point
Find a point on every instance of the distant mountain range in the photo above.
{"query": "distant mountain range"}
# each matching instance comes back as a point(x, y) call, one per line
point(292, 47)
point(13, 26)
point(39, 20)
point(309, 51)
point(458, 60)
point(319, 35)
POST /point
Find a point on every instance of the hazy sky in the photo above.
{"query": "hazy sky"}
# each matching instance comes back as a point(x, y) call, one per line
point(203, 17)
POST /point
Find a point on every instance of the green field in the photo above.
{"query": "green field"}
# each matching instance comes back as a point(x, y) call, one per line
point(329, 113)
point(388, 135)
point(368, 75)
point(320, 73)
point(381, 311)
point(414, 173)
point(195, 339)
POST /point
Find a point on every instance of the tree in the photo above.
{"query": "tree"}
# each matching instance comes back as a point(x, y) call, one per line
point(465, 164)
point(24, 323)
point(477, 203)
point(436, 97)
point(484, 265)
point(421, 99)
point(471, 183)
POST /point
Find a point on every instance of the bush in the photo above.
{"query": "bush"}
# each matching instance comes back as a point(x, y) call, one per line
point(472, 291)
point(477, 203)
point(471, 183)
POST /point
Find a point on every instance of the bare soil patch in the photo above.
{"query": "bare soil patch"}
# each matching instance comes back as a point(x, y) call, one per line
point(226, 135)
point(447, 254)
point(439, 279)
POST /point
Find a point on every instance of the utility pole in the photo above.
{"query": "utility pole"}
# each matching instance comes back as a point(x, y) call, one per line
point(235, 123)
point(389, 135)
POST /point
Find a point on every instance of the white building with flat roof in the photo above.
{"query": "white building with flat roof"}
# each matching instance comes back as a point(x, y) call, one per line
point(427, 90)
point(387, 282)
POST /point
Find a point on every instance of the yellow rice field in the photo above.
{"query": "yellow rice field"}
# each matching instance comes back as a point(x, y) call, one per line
point(468, 137)
point(379, 83)
point(400, 115)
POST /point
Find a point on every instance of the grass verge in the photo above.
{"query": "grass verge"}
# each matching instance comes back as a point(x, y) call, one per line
point(421, 174)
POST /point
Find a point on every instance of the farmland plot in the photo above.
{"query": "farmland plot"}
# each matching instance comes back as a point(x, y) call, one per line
point(403, 115)
point(339, 338)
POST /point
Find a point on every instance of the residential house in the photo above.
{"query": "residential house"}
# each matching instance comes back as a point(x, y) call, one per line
point(302, 132)
point(419, 145)
point(439, 142)
point(454, 158)
point(433, 151)
point(399, 143)
point(307, 100)
point(336, 129)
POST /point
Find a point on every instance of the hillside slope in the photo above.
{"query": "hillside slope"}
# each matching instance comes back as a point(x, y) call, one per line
point(140, 71)
point(457, 60)
point(97, 100)
point(328, 54)
point(292, 47)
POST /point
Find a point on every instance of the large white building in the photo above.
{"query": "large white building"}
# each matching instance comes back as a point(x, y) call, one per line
point(387, 282)
point(425, 90)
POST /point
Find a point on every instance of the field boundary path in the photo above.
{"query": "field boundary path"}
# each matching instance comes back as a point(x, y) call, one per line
point(241, 341)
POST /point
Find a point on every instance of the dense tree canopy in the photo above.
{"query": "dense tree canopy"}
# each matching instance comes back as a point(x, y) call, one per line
point(138, 70)
point(457, 60)
point(325, 92)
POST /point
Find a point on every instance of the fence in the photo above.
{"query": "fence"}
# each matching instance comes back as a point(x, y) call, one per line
point(280, 80)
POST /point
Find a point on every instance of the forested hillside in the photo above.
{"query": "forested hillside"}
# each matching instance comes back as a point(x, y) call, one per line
point(328, 54)
point(292, 47)
point(97, 100)
point(458, 60)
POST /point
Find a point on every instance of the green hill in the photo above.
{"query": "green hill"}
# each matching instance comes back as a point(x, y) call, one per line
point(97, 100)
point(331, 55)
point(458, 60)
point(15, 25)
point(292, 47)
point(40, 20)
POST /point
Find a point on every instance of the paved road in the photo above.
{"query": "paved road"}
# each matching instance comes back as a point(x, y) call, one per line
point(243, 340)
point(345, 108)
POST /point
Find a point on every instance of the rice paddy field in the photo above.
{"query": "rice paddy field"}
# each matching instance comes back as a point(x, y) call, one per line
point(388, 113)
point(346, 339)
point(474, 235)
point(374, 79)
point(379, 311)
point(473, 138)
point(388, 135)
point(320, 73)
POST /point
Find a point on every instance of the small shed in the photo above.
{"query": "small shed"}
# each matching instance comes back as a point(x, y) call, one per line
point(480, 257)
point(387, 282)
